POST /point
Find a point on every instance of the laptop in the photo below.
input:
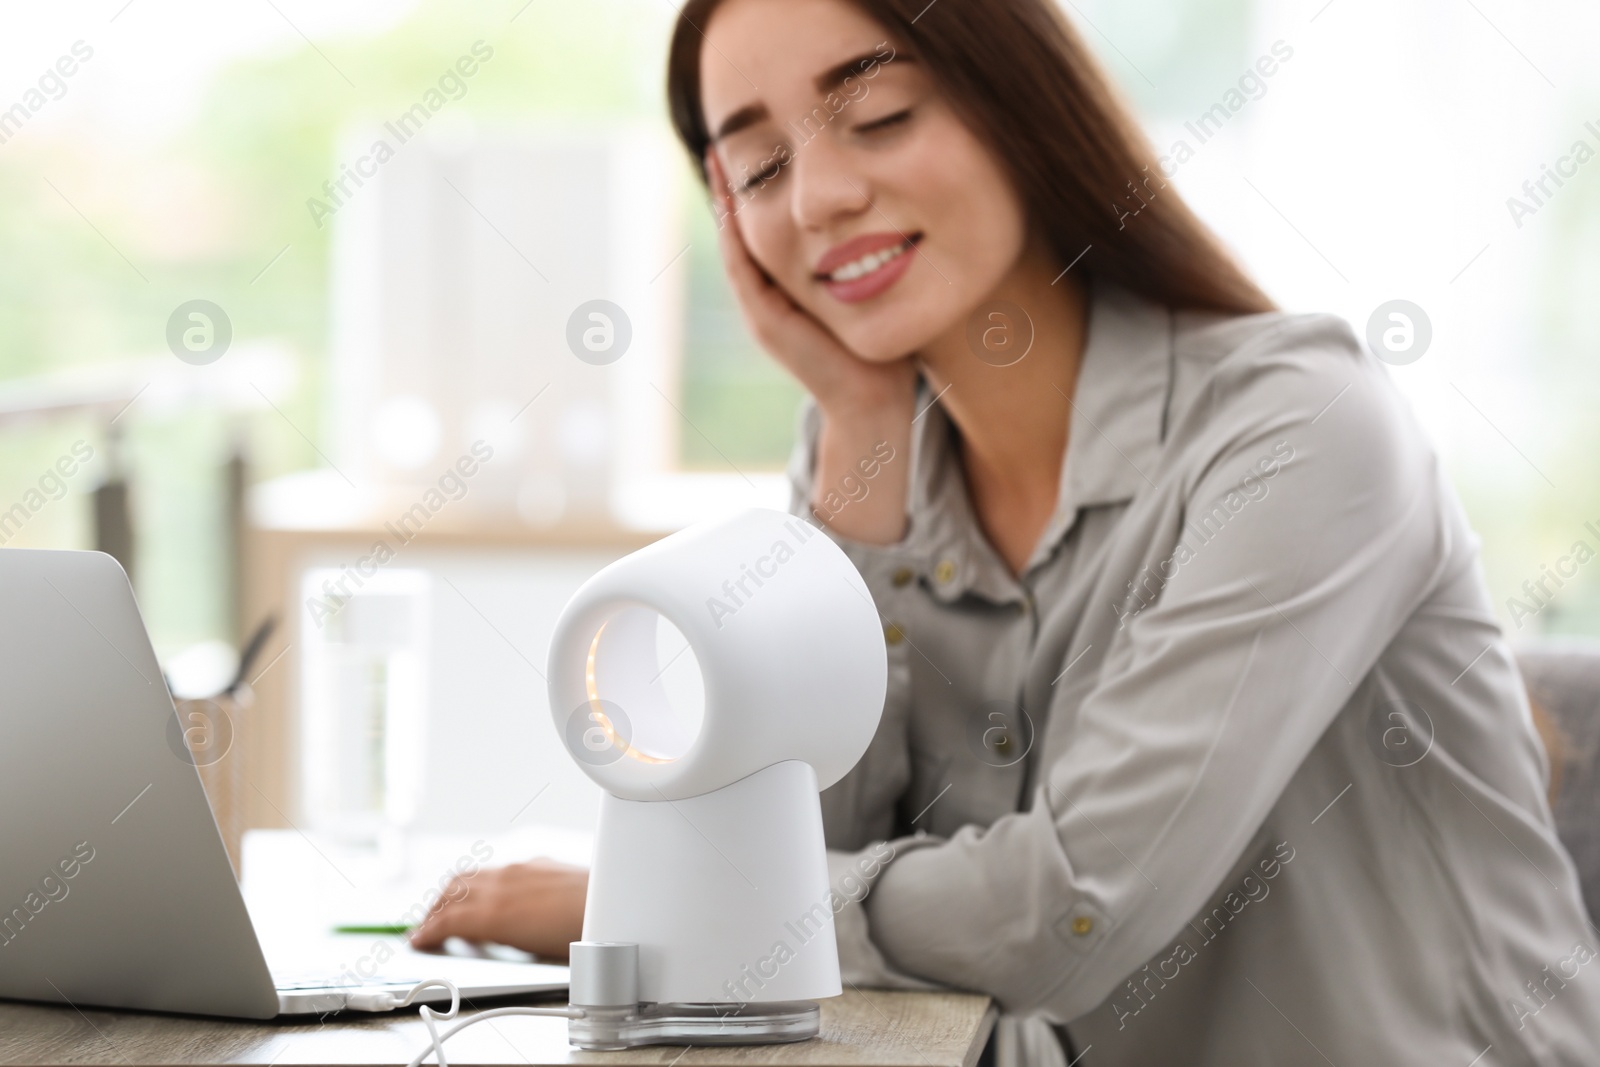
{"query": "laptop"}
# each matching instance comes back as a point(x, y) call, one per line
point(115, 888)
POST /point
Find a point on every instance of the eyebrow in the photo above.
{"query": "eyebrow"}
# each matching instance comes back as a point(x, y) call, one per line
point(832, 78)
point(835, 75)
point(741, 119)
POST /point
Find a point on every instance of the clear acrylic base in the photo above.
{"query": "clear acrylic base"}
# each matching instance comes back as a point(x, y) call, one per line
point(733, 1023)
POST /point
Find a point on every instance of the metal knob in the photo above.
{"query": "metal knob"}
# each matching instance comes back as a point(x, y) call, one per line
point(604, 974)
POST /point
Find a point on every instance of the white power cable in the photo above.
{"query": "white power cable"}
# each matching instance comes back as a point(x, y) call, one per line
point(384, 1001)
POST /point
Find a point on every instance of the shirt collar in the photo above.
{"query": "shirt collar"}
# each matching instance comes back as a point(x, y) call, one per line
point(1119, 405)
point(1118, 410)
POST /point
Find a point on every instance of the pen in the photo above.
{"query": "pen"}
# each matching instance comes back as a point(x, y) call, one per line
point(252, 649)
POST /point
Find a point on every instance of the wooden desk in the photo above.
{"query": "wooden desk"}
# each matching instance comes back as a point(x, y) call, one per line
point(863, 1027)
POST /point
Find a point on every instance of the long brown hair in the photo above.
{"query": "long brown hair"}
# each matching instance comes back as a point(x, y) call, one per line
point(1023, 80)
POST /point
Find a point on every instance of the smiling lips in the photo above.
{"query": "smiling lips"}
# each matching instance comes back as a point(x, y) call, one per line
point(863, 267)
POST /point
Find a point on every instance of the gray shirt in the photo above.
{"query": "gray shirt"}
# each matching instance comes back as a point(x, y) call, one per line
point(1240, 769)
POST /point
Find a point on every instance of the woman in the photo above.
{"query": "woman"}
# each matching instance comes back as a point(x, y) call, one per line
point(1201, 741)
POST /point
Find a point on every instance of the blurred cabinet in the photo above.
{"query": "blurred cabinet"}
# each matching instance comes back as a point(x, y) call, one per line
point(488, 747)
point(466, 286)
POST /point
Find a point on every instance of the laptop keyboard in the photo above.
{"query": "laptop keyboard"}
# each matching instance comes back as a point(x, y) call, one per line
point(290, 983)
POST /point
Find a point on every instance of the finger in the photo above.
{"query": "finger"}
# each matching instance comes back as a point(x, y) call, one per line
point(453, 890)
point(431, 931)
point(427, 936)
point(719, 186)
point(447, 914)
point(745, 273)
point(458, 919)
point(457, 890)
point(742, 269)
point(779, 325)
point(766, 305)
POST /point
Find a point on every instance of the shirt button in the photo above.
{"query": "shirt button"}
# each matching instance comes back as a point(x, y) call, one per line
point(902, 577)
point(1082, 925)
point(945, 571)
point(893, 634)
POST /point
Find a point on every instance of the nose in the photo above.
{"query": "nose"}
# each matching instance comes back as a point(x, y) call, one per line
point(826, 187)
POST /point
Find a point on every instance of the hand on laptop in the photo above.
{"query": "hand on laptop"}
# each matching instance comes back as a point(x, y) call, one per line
point(536, 906)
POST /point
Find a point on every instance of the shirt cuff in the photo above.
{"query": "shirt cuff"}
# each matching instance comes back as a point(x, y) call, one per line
point(850, 876)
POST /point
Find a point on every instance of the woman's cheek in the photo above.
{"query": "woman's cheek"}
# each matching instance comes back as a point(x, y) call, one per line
point(764, 239)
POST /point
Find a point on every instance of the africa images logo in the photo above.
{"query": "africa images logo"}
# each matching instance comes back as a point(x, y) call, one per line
point(52, 889)
point(737, 592)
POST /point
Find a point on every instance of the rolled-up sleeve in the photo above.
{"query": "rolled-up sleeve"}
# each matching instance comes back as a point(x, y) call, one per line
point(877, 563)
point(1213, 691)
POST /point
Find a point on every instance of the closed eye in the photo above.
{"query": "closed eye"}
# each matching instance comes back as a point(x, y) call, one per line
point(770, 170)
point(887, 122)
